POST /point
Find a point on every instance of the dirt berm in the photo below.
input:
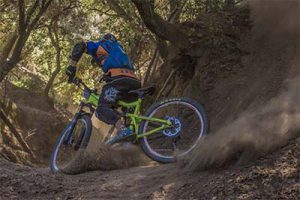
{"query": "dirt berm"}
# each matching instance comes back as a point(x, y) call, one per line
point(30, 126)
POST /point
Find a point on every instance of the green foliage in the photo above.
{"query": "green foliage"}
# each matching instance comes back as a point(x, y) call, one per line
point(73, 21)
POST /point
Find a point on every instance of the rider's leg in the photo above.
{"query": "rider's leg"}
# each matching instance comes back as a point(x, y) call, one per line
point(111, 93)
point(120, 124)
point(104, 111)
point(114, 89)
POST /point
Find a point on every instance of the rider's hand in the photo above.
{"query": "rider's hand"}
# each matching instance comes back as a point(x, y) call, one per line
point(71, 72)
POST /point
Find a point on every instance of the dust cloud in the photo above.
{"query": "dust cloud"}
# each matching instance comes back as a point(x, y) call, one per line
point(104, 158)
point(275, 34)
point(98, 156)
point(251, 135)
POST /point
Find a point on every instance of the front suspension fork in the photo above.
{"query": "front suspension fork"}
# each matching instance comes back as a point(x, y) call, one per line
point(72, 124)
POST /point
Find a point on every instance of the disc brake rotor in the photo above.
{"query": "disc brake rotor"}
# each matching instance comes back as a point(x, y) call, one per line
point(175, 129)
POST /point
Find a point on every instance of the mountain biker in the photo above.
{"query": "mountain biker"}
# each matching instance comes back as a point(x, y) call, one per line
point(119, 76)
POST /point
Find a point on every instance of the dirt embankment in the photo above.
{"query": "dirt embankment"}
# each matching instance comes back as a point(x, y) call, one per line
point(269, 109)
point(30, 127)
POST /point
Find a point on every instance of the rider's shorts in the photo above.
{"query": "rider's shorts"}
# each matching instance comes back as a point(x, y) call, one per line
point(116, 88)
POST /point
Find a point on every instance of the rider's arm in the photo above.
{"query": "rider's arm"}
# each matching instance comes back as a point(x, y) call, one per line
point(77, 52)
point(91, 48)
point(97, 51)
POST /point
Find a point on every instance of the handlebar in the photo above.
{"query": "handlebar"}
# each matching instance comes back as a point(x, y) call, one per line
point(78, 82)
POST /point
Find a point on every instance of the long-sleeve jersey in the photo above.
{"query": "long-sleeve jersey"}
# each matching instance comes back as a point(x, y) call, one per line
point(109, 54)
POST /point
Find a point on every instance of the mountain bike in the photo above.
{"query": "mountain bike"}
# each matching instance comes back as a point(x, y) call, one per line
point(169, 127)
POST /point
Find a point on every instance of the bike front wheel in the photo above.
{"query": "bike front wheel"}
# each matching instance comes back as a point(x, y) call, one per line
point(189, 125)
point(74, 138)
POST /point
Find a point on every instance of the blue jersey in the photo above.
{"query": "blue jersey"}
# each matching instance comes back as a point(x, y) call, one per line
point(110, 54)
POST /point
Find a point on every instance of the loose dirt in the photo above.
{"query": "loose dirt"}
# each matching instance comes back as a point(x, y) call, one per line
point(273, 177)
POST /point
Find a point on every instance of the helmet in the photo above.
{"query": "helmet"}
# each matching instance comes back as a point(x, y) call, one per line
point(109, 36)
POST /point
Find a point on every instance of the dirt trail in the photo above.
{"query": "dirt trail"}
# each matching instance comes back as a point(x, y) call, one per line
point(271, 176)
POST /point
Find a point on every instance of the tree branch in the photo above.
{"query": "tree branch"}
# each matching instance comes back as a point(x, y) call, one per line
point(117, 8)
point(30, 12)
point(147, 73)
point(53, 34)
point(176, 9)
point(21, 7)
point(160, 27)
point(17, 135)
point(42, 10)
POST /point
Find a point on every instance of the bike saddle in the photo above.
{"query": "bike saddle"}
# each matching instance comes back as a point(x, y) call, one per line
point(143, 91)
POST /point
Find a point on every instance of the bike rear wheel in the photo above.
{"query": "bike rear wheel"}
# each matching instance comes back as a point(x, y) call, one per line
point(189, 126)
point(74, 138)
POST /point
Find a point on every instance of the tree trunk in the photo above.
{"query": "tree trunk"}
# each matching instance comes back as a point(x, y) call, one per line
point(54, 74)
point(8, 65)
point(55, 42)
point(25, 26)
point(8, 47)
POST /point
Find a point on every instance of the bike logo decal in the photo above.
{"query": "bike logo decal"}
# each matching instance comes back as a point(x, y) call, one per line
point(110, 94)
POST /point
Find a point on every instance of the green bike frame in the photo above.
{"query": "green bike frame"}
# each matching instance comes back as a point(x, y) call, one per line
point(135, 117)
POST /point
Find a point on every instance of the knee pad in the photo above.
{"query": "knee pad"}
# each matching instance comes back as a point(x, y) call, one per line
point(107, 114)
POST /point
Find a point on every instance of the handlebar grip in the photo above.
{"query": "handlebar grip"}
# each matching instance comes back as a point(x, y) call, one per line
point(79, 82)
point(70, 80)
point(76, 81)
